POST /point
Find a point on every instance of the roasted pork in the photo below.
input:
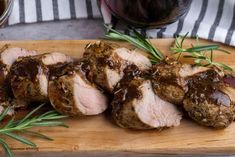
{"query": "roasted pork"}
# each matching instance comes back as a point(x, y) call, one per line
point(108, 62)
point(29, 76)
point(210, 101)
point(170, 79)
point(136, 106)
point(71, 93)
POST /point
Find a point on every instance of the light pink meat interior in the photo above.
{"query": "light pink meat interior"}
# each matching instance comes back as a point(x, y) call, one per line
point(88, 99)
point(133, 57)
point(55, 57)
point(154, 111)
point(10, 55)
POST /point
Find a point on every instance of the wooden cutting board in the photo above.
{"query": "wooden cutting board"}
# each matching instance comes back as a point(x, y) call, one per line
point(98, 136)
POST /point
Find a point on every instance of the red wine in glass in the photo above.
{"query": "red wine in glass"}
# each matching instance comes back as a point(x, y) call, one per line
point(148, 13)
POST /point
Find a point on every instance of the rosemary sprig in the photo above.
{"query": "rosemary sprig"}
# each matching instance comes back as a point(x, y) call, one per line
point(201, 54)
point(137, 40)
point(48, 119)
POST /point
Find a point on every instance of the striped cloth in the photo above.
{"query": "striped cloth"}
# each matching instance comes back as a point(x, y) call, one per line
point(30, 11)
point(209, 19)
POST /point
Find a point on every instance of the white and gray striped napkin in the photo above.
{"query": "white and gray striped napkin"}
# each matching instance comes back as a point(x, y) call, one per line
point(209, 19)
point(31, 11)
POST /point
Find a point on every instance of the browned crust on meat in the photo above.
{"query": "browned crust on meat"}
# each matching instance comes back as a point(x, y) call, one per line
point(80, 66)
point(60, 89)
point(24, 79)
point(31, 89)
point(123, 111)
point(60, 92)
point(100, 56)
point(167, 82)
point(203, 84)
point(206, 103)
point(209, 114)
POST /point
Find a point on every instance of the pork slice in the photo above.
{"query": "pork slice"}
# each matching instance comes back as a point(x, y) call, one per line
point(210, 101)
point(136, 106)
point(170, 79)
point(8, 57)
point(72, 94)
point(29, 76)
point(167, 81)
point(188, 70)
point(133, 57)
point(108, 62)
point(50, 59)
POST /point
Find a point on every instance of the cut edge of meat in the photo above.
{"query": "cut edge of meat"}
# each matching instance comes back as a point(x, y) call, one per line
point(136, 106)
point(230, 91)
point(10, 55)
point(55, 58)
point(161, 113)
point(113, 77)
point(133, 57)
point(30, 75)
point(43, 83)
point(188, 70)
point(92, 96)
point(73, 95)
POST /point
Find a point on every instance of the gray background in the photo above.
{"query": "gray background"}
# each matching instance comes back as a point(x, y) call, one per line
point(71, 29)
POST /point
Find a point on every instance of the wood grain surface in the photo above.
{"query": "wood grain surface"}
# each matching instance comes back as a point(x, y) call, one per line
point(98, 136)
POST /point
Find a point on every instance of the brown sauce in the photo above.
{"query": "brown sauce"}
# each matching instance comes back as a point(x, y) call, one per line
point(104, 60)
point(166, 72)
point(80, 66)
point(28, 68)
point(128, 88)
point(206, 87)
point(58, 70)
point(132, 71)
point(126, 93)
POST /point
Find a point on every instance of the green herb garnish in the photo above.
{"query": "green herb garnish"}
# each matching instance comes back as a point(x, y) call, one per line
point(48, 119)
point(201, 54)
point(137, 40)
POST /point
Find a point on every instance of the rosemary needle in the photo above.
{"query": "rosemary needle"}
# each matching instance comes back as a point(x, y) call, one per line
point(198, 53)
point(201, 54)
point(48, 119)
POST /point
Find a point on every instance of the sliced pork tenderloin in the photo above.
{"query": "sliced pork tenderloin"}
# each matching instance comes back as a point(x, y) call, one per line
point(210, 101)
point(136, 106)
point(108, 62)
point(29, 76)
point(170, 79)
point(71, 93)
point(8, 57)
